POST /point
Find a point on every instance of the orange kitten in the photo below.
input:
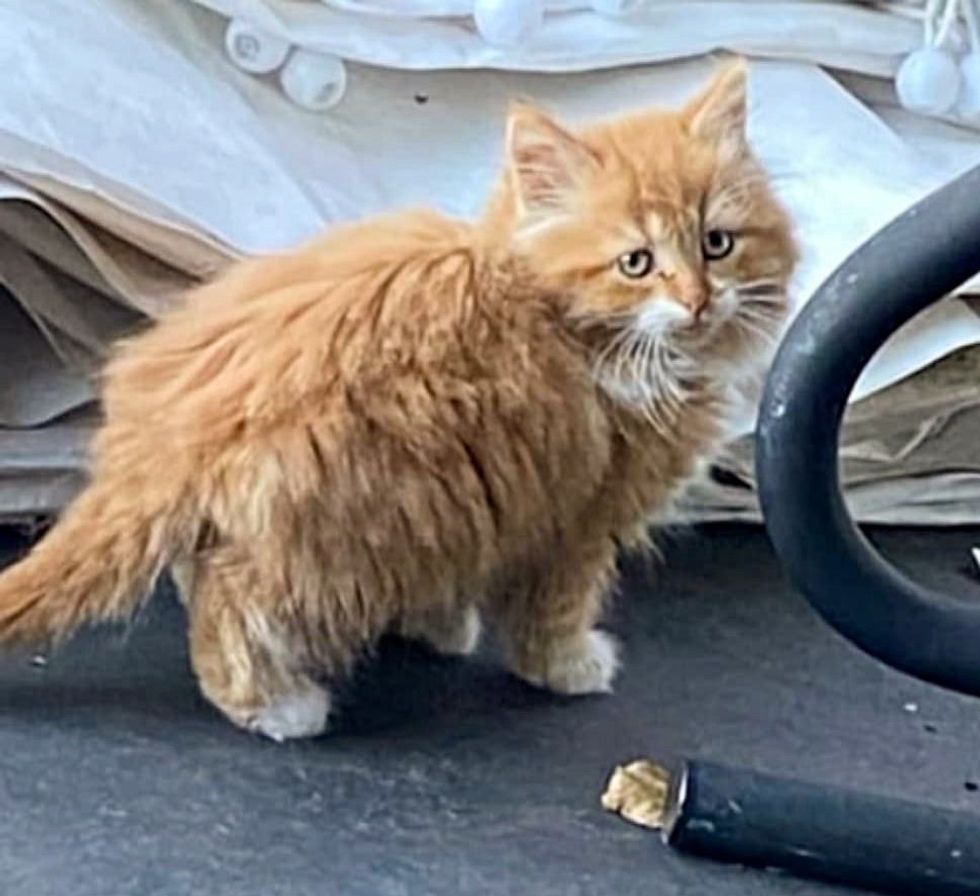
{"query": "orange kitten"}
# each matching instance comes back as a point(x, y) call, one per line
point(415, 421)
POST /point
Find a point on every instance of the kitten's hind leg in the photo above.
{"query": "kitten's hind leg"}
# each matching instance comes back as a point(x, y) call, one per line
point(453, 631)
point(247, 663)
point(548, 624)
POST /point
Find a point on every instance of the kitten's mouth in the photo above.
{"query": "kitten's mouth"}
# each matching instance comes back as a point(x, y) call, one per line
point(752, 310)
point(697, 329)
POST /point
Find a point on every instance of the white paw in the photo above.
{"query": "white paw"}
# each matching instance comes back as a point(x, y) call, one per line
point(463, 639)
point(292, 716)
point(587, 666)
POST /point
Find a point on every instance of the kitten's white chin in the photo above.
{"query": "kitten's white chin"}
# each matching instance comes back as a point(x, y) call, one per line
point(658, 317)
point(665, 379)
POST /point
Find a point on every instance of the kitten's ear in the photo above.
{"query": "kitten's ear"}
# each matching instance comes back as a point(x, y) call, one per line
point(720, 113)
point(547, 165)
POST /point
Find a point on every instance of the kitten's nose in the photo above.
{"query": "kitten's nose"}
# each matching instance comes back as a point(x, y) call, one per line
point(693, 292)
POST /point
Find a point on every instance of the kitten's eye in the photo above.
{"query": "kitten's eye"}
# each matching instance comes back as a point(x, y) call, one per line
point(635, 264)
point(717, 244)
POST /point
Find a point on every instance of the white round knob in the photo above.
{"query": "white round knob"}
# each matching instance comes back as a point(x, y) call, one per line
point(508, 23)
point(615, 7)
point(969, 104)
point(253, 49)
point(315, 81)
point(928, 81)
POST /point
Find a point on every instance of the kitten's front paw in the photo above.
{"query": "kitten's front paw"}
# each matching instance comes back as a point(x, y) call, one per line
point(292, 716)
point(585, 666)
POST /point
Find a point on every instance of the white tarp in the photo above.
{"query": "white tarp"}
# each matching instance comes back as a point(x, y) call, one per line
point(440, 35)
point(162, 162)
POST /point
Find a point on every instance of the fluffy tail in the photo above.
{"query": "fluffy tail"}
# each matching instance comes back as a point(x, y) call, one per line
point(97, 563)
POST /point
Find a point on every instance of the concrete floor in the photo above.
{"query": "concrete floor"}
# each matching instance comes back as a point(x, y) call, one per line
point(446, 777)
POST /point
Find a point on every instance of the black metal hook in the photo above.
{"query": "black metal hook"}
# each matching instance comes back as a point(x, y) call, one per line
point(920, 257)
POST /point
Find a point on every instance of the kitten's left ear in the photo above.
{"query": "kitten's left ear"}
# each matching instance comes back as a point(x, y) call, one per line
point(547, 164)
point(720, 113)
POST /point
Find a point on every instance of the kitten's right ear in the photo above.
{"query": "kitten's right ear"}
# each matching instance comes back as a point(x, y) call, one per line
point(719, 114)
point(547, 165)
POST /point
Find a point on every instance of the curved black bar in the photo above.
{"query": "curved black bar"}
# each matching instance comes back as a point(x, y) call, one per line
point(924, 254)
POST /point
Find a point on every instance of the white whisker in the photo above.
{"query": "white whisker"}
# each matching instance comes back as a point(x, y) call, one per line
point(613, 345)
point(762, 330)
point(655, 364)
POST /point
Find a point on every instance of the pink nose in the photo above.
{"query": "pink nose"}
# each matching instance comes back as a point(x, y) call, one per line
point(692, 292)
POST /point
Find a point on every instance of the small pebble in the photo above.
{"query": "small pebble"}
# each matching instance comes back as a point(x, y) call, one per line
point(421, 98)
point(39, 660)
point(911, 707)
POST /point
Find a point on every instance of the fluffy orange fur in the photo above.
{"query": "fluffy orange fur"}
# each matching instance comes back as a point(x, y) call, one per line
point(413, 422)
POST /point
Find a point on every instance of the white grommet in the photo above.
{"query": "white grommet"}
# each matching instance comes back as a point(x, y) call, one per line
point(254, 50)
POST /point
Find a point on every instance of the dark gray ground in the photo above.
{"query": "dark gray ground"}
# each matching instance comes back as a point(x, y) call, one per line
point(447, 777)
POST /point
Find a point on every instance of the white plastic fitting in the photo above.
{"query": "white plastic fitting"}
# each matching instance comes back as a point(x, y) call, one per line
point(928, 81)
point(253, 49)
point(314, 81)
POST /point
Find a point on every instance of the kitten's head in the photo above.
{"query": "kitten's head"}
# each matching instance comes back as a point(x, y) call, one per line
point(661, 232)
